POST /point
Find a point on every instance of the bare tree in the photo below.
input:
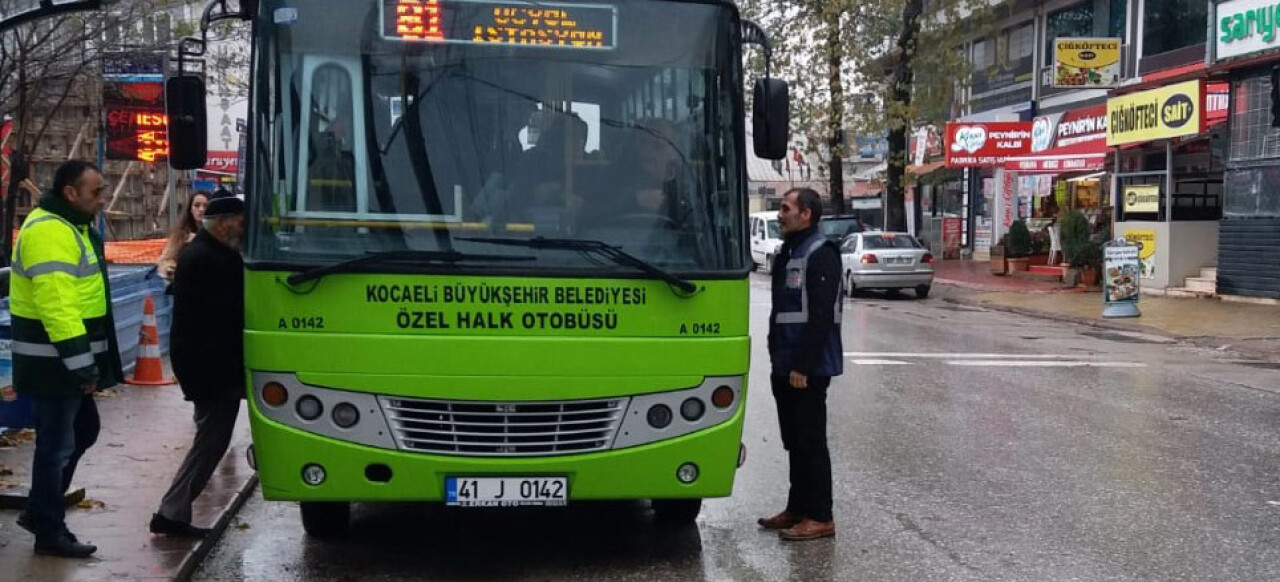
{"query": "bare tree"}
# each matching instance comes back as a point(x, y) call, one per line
point(50, 75)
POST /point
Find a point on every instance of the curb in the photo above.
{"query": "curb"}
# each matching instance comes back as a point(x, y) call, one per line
point(196, 556)
point(1209, 342)
point(985, 288)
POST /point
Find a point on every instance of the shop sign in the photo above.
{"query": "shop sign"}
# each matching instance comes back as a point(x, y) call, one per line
point(1173, 111)
point(1146, 242)
point(925, 144)
point(223, 162)
point(1086, 63)
point(1070, 129)
point(1144, 198)
point(971, 145)
point(1246, 26)
point(1120, 279)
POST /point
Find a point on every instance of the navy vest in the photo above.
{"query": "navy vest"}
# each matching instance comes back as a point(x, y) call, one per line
point(791, 314)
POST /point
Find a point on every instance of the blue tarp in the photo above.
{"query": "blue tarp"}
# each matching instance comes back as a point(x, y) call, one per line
point(130, 284)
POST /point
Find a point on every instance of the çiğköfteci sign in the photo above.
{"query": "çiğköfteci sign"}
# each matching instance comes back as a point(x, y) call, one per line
point(1246, 26)
point(971, 145)
point(1145, 198)
point(1086, 63)
point(1173, 111)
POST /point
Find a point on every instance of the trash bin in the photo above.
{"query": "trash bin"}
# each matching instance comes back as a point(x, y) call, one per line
point(15, 410)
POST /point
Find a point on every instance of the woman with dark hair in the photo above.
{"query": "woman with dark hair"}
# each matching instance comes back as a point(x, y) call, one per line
point(183, 232)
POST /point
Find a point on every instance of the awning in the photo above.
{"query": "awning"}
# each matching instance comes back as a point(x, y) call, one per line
point(1055, 164)
point(925, 169)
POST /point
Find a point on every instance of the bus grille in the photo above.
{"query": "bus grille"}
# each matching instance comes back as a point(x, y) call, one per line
point(457, 427)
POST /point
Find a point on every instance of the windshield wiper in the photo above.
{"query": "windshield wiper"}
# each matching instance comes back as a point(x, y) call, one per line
point(391, 256)
point(615, 254)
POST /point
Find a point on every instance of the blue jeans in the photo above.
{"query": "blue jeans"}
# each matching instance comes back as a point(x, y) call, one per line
point(65, 429)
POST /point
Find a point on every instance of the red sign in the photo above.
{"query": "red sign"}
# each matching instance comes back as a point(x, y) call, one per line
point(951, 237)
point(1074, 141)
point(222, 162)
point(970, 145)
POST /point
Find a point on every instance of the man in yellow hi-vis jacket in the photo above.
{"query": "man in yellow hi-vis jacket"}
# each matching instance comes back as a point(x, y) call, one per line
point(64, 344)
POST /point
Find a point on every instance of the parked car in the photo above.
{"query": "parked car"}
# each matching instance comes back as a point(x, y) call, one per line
point(837, 228)
point(886, 260)
point(766, 239)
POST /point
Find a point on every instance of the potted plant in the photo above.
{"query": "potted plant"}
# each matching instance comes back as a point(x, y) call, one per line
point(998, 263)
point(1074, 233)
point(1018, 246)
point(1087, 257)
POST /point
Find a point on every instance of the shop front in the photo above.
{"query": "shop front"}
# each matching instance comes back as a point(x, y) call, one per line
point(1064, 171)
point(1167, 176)
point(987, 191)
point(1249, 235)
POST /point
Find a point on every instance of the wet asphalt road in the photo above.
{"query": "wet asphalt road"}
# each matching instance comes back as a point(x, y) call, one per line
point(1093, 456)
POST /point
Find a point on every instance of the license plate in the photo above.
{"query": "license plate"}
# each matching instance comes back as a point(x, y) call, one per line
point(506, 491)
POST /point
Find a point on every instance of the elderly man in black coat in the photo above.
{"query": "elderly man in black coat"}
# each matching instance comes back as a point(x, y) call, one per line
point(207, 353)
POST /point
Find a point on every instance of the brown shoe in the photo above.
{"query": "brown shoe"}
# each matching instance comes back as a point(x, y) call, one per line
point(783, 520)
point(809, 529)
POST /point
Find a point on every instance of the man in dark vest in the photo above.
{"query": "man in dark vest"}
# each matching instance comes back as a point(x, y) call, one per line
point(805, 353)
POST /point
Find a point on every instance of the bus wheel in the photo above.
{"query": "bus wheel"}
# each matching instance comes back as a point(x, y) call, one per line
point(677, 511)
point(326, 520)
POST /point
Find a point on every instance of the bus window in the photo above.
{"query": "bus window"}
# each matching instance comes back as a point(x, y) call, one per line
point(331, 159)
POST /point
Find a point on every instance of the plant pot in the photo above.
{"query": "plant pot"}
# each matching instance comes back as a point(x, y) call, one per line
point(997, 260)
point(1071, 277)
point(1018, 265)
point(1040, 259)
point(1088, 277)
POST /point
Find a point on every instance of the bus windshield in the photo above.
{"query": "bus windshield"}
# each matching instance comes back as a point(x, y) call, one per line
point(447, 122)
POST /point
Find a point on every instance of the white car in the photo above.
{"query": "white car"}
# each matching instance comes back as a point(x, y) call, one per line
point(886, 260)
point(766, 239)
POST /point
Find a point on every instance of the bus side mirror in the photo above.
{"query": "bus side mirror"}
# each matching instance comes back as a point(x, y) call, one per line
point(770, 118)
point(185, 105)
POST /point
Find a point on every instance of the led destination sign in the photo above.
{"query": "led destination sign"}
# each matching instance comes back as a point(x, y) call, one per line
point(506, 23)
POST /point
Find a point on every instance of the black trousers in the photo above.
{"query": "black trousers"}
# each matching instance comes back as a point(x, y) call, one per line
point(215, 425)
point(802, 417)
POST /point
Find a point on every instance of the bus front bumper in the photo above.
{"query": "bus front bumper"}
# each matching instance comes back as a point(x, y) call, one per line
point(640, 472)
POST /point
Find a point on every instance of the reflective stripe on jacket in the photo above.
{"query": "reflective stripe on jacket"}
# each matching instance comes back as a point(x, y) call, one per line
point(791, 315)
point(58, 301)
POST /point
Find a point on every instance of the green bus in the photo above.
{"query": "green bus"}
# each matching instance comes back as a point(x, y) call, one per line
point(496, 250)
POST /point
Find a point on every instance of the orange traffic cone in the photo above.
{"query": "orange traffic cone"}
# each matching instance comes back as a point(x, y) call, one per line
point(149, 371)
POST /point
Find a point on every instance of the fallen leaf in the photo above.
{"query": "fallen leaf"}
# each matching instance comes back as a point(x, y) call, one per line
point(115, 445)
point(91, 504)
point(242, 526)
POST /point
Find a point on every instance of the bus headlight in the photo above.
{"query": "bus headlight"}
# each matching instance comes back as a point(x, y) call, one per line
point(692, 408)
point(345, 415)
point(659, 416)
point(309, 407)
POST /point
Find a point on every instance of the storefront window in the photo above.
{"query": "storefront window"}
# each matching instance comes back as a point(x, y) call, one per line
point(1172, 24)
point(1252, 137)
point(1253, 180)
point(1093, 18)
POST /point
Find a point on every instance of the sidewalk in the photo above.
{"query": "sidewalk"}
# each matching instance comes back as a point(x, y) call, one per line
point(976, 275)
point(145, 434)
point(1252, 330)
